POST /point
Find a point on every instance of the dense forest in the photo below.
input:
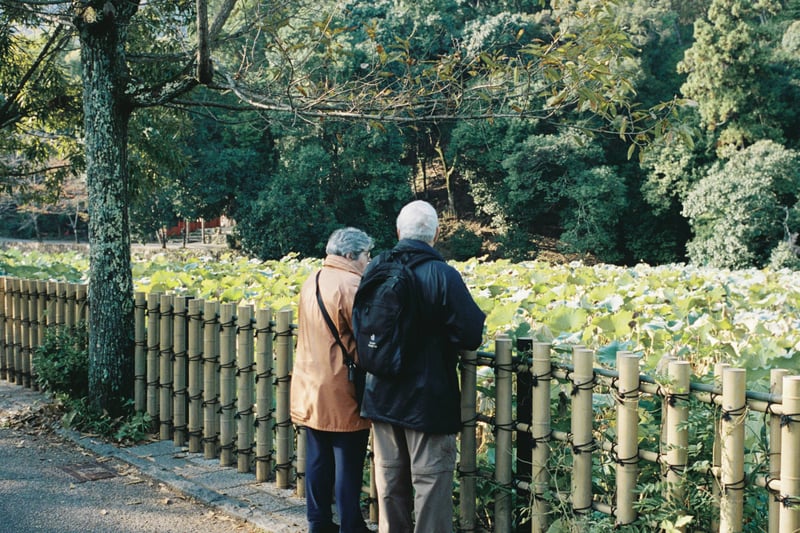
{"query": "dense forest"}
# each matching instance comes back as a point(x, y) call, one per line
point(717, 186)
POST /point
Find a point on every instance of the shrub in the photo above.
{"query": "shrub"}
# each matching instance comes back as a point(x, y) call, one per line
point(62, 361)
point(744, 207)
point(464, 243)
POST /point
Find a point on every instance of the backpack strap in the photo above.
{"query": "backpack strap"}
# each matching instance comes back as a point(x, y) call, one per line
point(411, 259)
point(348, 361)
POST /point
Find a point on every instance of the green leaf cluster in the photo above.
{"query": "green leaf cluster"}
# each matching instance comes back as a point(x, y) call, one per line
point(705, 315)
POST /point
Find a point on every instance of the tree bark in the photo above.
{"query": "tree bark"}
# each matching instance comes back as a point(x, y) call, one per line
point(106, 116)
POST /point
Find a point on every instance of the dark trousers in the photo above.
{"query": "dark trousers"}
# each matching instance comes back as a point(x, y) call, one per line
point(335, 462)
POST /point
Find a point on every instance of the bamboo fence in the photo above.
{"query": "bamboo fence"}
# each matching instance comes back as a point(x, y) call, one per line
point(214, 378)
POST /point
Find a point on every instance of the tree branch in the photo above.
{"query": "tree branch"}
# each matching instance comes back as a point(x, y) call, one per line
point(11, 101)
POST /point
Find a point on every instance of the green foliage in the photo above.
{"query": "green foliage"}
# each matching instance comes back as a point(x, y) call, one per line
point(62, 367)
point(743, 208)
point(82, 415)
point(705, 315)
point(785, 255)
point(598, 197)
point(338, 175)
point(517, 245)
point(39, 104)
point(729, 74)
point(62, 361)
point(31, 264)
point(545, 180)
point(463, 243)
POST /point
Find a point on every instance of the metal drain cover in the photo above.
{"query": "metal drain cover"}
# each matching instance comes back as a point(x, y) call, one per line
point(88, 471)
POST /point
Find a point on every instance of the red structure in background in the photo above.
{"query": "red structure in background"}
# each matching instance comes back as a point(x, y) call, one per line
point(195, 225)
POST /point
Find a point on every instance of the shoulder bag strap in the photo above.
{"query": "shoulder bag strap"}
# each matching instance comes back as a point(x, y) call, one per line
point(348, 361)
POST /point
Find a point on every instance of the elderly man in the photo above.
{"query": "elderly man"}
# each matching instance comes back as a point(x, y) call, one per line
point(416, 414)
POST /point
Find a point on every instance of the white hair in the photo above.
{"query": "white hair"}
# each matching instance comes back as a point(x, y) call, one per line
point(418, 220)
point(348, 242)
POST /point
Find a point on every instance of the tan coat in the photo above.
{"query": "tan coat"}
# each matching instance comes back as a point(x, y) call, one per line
point(322, 397)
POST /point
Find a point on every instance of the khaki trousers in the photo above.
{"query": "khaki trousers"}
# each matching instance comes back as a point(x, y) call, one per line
point(414, 472)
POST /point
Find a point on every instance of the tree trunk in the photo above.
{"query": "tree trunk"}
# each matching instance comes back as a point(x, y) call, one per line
point(106, 119)
point(448, 173)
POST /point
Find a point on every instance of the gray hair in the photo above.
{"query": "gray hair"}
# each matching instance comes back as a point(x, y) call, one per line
point(348, 242)
point(418, 220)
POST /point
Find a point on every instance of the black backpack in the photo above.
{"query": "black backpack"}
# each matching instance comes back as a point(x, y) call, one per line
point(385, 311)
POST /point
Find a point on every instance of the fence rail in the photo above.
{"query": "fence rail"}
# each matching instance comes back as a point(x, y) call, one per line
point(214, 377)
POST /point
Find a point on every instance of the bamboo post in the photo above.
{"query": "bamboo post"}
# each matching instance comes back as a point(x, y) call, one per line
point(504, 425)
point(8, 342)
point(25, 329)
point(210, 386)
point(581, 424)
point(19, 368)
point(301, 462)
point(732, 477)
point(716, 451)
point(179, 369)
point(165, 377)
point(82, 303)
point(153, 330)
point(524, 411)
point(677, 409)
point(69, 306)
point(9, 333)
point(244, 396)
point(61, 303)
point(776, 376)
point(264, 420)
point(3, 360)
point(468, 463)
point(662, 369)
point(283, 422)
point(627, 435)
point(790, 460)
point(41, 293)
point(195, 356)
point(227, 383)
point(540, 436)
point(33, 330)
point(52, 304)
point(139, 353)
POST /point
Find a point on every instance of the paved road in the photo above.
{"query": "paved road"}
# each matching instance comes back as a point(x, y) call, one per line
point(49, 484)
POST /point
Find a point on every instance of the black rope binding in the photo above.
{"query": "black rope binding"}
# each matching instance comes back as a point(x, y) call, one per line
point(264, 375)
point(246, 327)
point(738, 486)
point(633, 460)
point(466, 473)
point(587, 447)
point(536, 441)
point(264, 458)
point(788, 501)
point(287, 333)
point(789, 419)
point(727, 415)
point(264, 418)
point(268, 329)
point(546, 377)
point(673, 398)
point(585, 386)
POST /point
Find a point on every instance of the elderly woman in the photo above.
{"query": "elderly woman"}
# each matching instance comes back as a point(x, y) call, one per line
point(323, 393)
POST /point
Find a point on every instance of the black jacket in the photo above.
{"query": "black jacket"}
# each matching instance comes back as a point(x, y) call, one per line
point(426, 397)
